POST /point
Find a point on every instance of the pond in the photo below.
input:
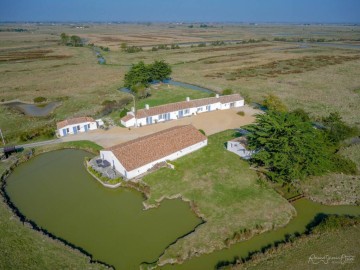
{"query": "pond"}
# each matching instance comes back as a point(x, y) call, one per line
point(56, 192)
point(35, 110)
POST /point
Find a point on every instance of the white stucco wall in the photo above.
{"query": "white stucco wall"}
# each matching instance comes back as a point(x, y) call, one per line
point(175, 115)
point(70, 128)
point(129, 123)
point(109, 156)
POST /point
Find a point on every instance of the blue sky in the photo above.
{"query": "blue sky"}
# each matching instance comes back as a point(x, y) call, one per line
point(332, 11)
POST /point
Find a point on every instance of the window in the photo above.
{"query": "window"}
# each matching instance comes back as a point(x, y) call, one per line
point(88, 125)
point(78, 127)
point(67, 130)
point(199, 109)
point(187, 111)
point(208, 107)
point(232, 104)
point(161, 116)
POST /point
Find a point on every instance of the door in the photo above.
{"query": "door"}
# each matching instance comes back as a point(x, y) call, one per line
point(181, 114)
point(148, 120)
point(208, 107)
point(64, 132)
point(86, 128)
point(75, 130)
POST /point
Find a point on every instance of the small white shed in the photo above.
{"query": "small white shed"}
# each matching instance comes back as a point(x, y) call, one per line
point(239, 147)
point(76, 125)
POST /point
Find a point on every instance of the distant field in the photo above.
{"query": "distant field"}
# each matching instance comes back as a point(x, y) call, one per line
point(318, 79)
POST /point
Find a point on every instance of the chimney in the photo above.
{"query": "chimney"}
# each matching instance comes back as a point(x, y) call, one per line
point(133, 109)
point(217, 95)
point(147, 106)
point(187, 99)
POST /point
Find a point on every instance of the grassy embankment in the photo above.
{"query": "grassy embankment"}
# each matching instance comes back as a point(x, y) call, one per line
point(24, 248)
point(224, 192)
point(320, 241)
point(336, 188)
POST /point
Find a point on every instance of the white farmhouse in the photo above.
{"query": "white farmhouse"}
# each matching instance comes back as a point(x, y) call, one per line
point(76, 125)
point(181, 109)
point(136, 157)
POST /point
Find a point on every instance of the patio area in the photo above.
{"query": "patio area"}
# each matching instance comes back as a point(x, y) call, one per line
point(104, 167)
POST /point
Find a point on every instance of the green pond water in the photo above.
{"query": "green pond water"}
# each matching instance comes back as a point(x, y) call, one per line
point(56, 192)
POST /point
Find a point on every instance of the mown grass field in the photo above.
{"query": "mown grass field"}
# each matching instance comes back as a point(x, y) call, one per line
point(164, 94)
point(224, 192)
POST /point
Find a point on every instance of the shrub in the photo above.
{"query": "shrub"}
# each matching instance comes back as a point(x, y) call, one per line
point(343, 165)
point(227, 91)
point(202, 131)
point(302, 114)
point(274, 103)
point(241, 113)
point(124, 112)
point(133, 49)
point(40, 99)
point(337, 129)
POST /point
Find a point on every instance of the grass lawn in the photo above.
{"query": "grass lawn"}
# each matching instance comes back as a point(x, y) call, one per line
point(224, 192)
point(297, 255)
point(168, 94)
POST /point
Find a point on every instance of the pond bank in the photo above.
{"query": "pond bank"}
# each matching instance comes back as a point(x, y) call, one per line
point(31, 224)
point(32, 109)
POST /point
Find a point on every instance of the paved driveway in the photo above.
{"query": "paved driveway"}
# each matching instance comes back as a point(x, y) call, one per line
point(210, 122)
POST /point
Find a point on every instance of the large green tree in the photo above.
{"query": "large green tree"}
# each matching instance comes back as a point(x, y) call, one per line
point(140, 74)
point(288, 147)
point(64, 38)
point(159, 70)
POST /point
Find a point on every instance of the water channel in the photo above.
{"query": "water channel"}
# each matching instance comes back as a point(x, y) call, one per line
point(56, 192)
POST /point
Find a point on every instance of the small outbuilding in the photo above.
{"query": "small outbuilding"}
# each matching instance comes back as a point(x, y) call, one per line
point(239, 146)
point(76, 125)
point(138, 156)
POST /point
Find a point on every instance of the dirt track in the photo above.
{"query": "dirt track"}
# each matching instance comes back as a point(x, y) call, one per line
point(210, 122)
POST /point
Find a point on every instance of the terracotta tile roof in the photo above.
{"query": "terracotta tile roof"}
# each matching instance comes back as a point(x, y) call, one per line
point(127, 117)
point(74, 121)
point(172, 107)
point(144, 150)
